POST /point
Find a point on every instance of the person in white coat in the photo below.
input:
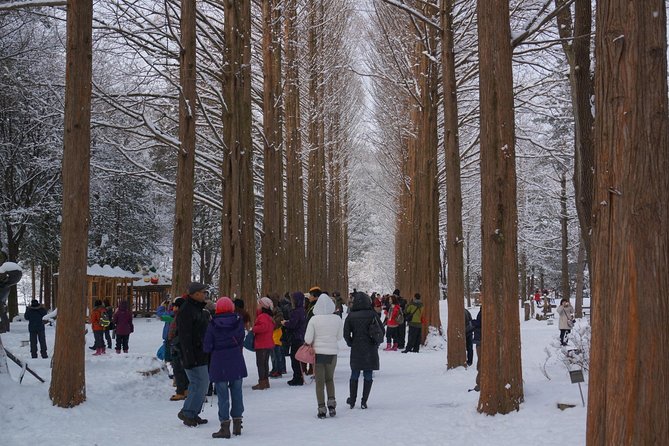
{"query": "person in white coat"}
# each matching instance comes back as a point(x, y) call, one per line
point(566, 323)
point(324, 332)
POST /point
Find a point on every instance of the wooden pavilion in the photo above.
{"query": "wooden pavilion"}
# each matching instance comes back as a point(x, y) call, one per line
point(150, 291)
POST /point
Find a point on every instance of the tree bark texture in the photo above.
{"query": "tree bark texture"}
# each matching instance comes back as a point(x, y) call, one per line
point(272, 256)
point(182, 246)
point(238, 257)
point(317, 223)
point(425, 194)
point(456, 355)
point(294, 243)
point(576, 45)
point(629, 385)
point(68, 379)
point(501, 373)
point(565, 238)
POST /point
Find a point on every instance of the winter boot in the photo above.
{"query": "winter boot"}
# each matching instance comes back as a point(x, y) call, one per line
point(332, 407)
point(296, 382)
point(366, 388)
point(237, 426)
point(98, 352)
point(103, 351)
point(188, 421)
point(125, 350)
point(388, 347)
point(178, 397)
point(322, 412)
point(262, 384)
point(224, 432)
point(118, 351)
point(394, 348)
point(353, 393)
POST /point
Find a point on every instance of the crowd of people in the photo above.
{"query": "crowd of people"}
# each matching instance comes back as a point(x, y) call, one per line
point(204, 343)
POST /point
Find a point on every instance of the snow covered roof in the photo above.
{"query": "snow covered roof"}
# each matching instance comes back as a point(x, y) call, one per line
point(152, 279)
point(109, 271)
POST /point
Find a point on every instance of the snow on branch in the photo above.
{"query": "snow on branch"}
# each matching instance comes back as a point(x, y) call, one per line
point(414, 12)
point(6, 6)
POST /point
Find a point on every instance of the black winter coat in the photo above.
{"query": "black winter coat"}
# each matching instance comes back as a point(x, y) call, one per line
point(477, 327)
point(364, 351)
point(192, 322)
point(34, 317)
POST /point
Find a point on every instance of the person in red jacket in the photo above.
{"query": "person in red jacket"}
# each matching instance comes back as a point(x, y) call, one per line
point(263, 341)
point(392, 324)
point(98, 328)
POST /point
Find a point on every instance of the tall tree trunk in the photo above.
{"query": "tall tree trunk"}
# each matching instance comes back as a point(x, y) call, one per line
point(457, 355)
point(182, 249)
point(425, 194)
point(294, 173)
point(576, 40)
point(68, 378)
point(565, 238)
point(272, 256)
point(238, 265)
point(317, 223)
point(501, 373)
point(629, 389)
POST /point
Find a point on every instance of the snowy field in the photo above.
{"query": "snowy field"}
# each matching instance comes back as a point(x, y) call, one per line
point(414, 401)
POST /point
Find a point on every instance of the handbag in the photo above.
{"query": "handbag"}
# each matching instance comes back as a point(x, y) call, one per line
point(249, 341)
point(306, 354)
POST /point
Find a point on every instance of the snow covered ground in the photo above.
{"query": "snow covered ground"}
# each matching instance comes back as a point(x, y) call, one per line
point(414, 400)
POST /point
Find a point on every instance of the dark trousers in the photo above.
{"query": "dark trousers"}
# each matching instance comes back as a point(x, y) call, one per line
point(469, 339)
point(122, 342)
point(415, 333)
point(108, 338)
point(401, 334)
point(180, 378)
point(34, 337)
point(262, 362)
point(294, 363)
point(478, 366)
point(563, 333)
point(391, 335)
point(99, 338)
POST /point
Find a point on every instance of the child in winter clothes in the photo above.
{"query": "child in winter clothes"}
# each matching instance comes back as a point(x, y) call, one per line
point(34, 314)
point(98, 329)
point(122, 319)
point(224, 340)
point(324, 331)
point(263, 342)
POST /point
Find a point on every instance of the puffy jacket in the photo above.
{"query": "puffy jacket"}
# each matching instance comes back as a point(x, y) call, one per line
point(34, 317)
point(414, 313)
point(263, 329)
point(364, 351)
point(391, 320)
point(224, 339)
point(192, 325)
point(324, 330)
point(122, 318)
point(566, 315)
point(95, 318)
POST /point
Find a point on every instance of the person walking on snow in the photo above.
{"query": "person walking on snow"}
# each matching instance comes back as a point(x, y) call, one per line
point(34, 314)
point(122, 319)
point(566, 323)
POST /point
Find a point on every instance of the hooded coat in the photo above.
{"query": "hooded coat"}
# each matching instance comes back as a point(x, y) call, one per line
point(364, 351)
point(123, 319)
point(297, 322)
point(324, 330)
point(224, 340)
point(34, 315)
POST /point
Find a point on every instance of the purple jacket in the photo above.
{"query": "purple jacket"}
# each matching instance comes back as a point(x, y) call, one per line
point(297, 323)
point(123, 319)
point(224, 339)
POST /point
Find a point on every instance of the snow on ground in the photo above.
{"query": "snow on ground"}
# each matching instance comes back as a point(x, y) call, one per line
point(414, 400)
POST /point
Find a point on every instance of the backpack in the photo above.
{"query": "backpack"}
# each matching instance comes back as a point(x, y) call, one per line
point(375, 331)
point(104, 320)
point(400, 316)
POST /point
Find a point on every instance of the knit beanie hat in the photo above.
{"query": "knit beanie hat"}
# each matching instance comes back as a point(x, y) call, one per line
point(224, 305)
point(34, 303)
point(266, 302)
point(194, 287)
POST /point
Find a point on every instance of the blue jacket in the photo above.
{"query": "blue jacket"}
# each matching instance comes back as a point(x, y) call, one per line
point(34, 317)
point(224, 340)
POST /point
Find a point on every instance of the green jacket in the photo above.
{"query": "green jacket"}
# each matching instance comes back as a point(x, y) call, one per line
point(413, 314)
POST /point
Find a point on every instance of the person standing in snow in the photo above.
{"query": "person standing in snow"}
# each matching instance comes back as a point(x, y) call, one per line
point(98, 329)
point(296, 325)
point(477, 342)
point(364, 349)
point(469, 337)
point(392, 325)
point(192, 325)
point(34, 314)
point(401, 328)
point(224, 340)
point(414, 316)
point(109, 310)
point(324, 331)
point(122, 319)
point(263, 342)
point(180, 378)
point(566, 323)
